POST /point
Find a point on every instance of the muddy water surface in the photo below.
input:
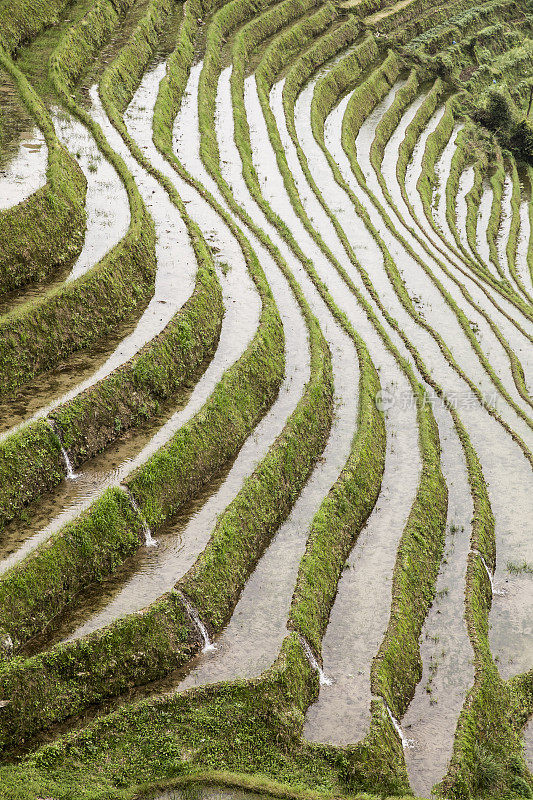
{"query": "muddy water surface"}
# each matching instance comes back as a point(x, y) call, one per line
point(240, 322)
point(507, 474)
point(431, 719)
point(485, 206)
point(506, 317)
point(180, 543)
point(427, 298)
point(466, 182)
point(31, 401)
point(25, 172)
point(107, 221)
point(199, 792)
point(252, 639)
point(64, 503)
point(490, 345)
point(348, 628)
point(106, 206)
point(504, 228)
point(524, 234)
point(359, 617)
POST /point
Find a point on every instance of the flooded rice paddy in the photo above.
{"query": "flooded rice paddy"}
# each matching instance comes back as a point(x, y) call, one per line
point(415, 281)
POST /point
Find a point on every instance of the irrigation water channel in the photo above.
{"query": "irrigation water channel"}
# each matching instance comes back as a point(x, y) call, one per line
point(107, 220)
point(522, 248)
point(106, 206)
point(359, 616)
point(501, 309)
point(186, 538)
point(340, 207)
point(421, 288)
point(25, 172)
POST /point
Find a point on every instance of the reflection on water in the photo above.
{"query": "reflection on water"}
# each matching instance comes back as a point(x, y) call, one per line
point(70, 497)
point(254, 634)
point(360, 612)
point(26, 172)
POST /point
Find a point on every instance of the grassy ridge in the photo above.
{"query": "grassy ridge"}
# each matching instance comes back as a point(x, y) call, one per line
point(225, 419)
point(30, 459)
point(133, 392)
point(384, 130)
point(488, 703)
point(433, 483)
point(198, 450)
point(46, 230)
point(368, 95)
point(482, 530)
point(426, 182)
point(35, 338)
point(22, 20)
point(406, 148)
point(256, 726)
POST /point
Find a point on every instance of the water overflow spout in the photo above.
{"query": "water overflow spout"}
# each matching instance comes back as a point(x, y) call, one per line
point(398, 728)
point(195, 617)
point(148, 538)
point(489, 574)
point(323, 678)
point(71, 475)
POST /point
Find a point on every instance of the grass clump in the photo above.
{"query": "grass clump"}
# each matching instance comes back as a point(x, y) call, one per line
point(496, 111)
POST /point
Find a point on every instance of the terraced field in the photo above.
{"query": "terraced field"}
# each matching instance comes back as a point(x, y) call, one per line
point(266, 399)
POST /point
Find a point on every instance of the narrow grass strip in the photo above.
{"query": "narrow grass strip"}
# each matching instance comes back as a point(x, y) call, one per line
point(384, 131)
point(364, 97)
point(414, 130)
point(432, 484)
point(373, 752)
point(425, 186)
point(482, 540)
point(172, 476)
point(46, 230)
point(135, 391)
point(35, 338)
point(487, 733)
point(512, 241)
point(22, 20)
point(245, 527)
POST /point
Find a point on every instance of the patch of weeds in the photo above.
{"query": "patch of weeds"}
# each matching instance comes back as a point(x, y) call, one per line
point(522, 568)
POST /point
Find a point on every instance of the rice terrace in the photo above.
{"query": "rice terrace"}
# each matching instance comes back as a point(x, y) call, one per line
point(266, 399)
